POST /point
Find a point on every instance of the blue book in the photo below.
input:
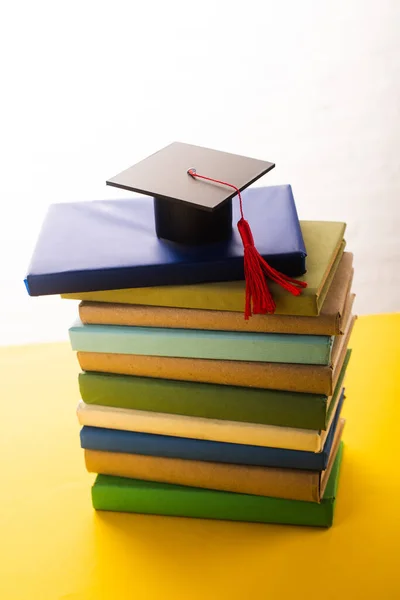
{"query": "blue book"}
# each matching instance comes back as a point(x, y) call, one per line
point(114, 440)
point(105, 245)
point(193, 343)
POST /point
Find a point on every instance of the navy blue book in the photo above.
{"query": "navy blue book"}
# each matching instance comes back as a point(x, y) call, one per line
point(106, 245)
point(114, 440)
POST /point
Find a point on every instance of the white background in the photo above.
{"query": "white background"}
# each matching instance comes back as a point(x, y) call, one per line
point(88, 88)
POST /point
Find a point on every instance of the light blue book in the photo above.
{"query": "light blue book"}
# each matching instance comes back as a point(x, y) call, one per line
point(193, 343)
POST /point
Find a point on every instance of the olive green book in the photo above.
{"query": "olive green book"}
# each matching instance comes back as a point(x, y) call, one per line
point(194, 399)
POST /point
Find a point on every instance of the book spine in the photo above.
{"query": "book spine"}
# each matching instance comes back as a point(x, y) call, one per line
point(253, 347)
point(132, 442)
point(102, 313)
point(260, 481)
point(251, 405)
point(198, 428)
point(313, 379)
point(108, 494)
point(208, 297)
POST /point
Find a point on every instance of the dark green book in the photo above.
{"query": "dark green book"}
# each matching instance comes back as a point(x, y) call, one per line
point(212, 401)
point(132, 495)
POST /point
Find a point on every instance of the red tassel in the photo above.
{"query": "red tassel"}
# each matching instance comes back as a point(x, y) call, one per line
point(259, 300)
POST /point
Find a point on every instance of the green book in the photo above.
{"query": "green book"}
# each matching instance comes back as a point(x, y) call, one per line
point(325, 247)
point(137, 496)
point(251, 405)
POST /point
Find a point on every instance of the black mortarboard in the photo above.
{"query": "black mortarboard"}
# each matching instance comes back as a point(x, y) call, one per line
point(193, 189)
point(187, 210)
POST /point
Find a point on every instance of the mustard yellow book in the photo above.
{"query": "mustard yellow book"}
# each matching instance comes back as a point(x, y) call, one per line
point(325, 246)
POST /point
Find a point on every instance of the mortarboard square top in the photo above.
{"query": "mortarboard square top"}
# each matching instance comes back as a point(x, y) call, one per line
point(188, 210)
point(164, 175)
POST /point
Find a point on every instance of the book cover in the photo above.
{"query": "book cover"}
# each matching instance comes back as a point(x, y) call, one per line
point(115, 440)
point(292, 484)
point(105, 245)
point(253, 405)
point(313, 379)
point(329, 322)
point(199, 343)
point(235, 432)
point(325, 246)
point(138, 496)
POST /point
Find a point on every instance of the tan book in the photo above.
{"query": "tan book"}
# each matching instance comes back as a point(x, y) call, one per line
point(325, 246)
point(315, 379)
point(329, 322)
point(292, 484)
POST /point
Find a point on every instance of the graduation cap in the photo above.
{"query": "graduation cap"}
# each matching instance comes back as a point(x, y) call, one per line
point(186, 210)
point(193, 188)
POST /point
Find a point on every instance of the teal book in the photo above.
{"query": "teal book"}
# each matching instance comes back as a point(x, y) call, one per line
point(193, 343)
point(144, 497)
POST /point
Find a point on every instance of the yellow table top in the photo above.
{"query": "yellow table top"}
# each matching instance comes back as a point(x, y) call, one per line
point(53, 545)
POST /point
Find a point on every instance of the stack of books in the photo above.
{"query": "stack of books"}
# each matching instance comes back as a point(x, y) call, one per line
point(187, 408)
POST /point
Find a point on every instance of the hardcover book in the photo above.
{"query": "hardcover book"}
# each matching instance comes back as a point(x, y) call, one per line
point(325, 246)
point(252, 405)
point(199, 343)
point(313, 379)
point(147, 444)
point(106, 245)
point(138, 496)
point(330, 321)
point(292, 484)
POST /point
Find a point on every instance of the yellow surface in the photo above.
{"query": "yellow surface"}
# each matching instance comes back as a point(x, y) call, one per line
point(53, 545)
